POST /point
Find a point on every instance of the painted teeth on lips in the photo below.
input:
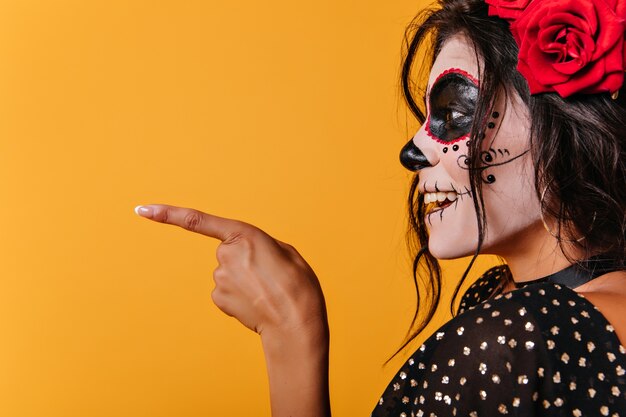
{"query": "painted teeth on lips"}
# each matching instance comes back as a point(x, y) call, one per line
point(439, 197)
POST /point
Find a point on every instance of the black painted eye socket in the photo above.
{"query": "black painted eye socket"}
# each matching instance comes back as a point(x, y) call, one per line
point(452, 103)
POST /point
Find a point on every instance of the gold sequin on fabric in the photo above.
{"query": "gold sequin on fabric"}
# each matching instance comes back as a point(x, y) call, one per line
point(539, 349)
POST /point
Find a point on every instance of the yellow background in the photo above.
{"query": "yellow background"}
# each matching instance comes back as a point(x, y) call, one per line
point(282, 113)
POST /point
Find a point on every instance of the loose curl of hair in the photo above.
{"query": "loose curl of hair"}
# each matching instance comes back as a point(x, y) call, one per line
point(577, 145)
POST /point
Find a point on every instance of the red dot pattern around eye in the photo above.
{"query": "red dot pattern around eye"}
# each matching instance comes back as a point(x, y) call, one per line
point(427, 127)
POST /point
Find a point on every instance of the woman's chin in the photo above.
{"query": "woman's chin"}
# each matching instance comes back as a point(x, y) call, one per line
point(450, 247)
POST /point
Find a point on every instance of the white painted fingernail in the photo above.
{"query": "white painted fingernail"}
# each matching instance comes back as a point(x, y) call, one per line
point(143, 211)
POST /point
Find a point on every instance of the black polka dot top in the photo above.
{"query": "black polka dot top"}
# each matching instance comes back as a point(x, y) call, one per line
point(541, 350)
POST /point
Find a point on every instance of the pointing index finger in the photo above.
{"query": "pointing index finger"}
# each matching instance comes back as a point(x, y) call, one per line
point(190, 219)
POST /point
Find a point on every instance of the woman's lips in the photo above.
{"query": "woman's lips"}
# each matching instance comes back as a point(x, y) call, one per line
point(437, 206)
point(439, 200)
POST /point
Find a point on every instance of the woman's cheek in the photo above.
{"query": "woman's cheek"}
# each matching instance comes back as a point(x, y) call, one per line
point(453, 162)
point(511, 203)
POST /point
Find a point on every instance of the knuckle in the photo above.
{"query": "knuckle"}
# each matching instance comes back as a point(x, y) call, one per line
point(221, 253)
point(217, 298)
point(220, 300)
point(234, 238)
point(251, 231)
point(192, 221)
point(219, 275)
point(294, 255)
point(162, 215)
point(243, 241)
point(292, 250)
point(287, 247)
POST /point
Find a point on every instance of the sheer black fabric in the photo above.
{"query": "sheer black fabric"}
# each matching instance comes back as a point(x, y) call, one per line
point(541, 350)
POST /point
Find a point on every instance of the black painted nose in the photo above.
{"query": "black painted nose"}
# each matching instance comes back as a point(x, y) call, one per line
point(412, 158)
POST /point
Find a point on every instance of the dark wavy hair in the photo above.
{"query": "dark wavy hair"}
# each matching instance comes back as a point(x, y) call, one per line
point(577, 146)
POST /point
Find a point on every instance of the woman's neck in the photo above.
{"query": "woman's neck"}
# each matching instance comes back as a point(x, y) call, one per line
point(536, 255)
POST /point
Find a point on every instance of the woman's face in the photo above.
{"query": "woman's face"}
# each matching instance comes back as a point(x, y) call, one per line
point(511, 206)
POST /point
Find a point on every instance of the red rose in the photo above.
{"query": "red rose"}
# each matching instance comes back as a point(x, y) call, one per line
point(507, 9)
point(571, 46)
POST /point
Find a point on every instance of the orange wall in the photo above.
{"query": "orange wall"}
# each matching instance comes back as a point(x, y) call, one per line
point(282, 113)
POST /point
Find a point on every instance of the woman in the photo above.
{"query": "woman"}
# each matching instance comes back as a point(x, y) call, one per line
point(520, 154)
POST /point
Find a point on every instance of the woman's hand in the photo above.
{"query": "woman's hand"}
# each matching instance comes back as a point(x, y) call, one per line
point(270, 288)
point(262, 282)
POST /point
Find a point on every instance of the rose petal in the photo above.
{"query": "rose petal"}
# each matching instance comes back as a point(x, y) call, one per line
point(590, 76)
point(557, 13)
point(504, 13)
point(612, 4)
point(571, 46)
point(611, 83)
point(619, 7)
point(533, 85)
point(542, 68)
point(579, 49)
point(579, 45)
point(611, 31)
point(549, 43)
point(587, 23)
point(568, 67)
point(509, 10)
point(614, 60)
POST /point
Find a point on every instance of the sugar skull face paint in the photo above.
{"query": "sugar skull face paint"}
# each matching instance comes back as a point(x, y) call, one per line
point(511, 206)
point(451, 106)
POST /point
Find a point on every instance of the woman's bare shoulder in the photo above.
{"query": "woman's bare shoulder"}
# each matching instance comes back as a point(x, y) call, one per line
point(608, 294)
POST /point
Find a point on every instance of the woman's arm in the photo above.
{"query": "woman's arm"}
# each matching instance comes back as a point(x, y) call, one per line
point(297, 367)
point(267, 286)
